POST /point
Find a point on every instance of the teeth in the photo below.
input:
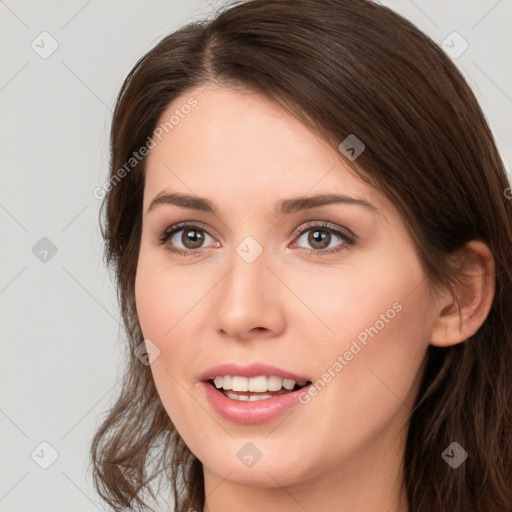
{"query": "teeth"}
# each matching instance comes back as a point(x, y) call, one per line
point(240, 384)
point(274, 383)
point(288, 383)
point(254, 384)
point(247, 398)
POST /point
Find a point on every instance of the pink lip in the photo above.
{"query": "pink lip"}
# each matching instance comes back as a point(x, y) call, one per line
point(251, 413)
point(251, 370)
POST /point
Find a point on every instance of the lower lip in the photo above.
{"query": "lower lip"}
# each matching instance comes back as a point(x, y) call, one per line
point(251, 413)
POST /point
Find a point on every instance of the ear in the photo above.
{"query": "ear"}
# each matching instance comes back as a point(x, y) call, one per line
point(461, 314)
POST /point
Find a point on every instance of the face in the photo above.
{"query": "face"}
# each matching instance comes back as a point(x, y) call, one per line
point(246, 279)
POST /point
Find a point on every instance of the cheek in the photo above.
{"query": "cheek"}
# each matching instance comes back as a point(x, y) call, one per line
point(167, 305)
point(368, 359)
point(165, 309)
point(376, 298)
point(165, 296)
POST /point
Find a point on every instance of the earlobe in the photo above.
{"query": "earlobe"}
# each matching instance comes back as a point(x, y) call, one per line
point(460, 314)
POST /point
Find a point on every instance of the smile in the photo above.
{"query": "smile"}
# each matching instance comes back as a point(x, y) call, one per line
point(252, 389)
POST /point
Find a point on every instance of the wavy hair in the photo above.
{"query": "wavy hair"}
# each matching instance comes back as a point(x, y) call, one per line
point(341, 67)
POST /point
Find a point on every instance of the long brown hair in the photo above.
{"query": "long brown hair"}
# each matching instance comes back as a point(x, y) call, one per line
point(342, 67)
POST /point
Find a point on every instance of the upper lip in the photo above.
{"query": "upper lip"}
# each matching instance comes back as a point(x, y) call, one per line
point(250, 370)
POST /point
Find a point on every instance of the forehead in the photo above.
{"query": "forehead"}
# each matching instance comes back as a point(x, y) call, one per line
point(243, 147)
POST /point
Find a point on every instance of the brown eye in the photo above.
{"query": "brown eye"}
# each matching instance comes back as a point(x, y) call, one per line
point(323, 239)
point(319, 239)
point(186, 239)
point(192, 238)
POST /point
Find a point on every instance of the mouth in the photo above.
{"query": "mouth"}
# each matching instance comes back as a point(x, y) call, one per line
point(252, 394)
point(252, 389)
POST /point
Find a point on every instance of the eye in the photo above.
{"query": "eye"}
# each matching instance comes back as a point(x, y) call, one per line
point(186, 239)
point(323, 238)
point(183, 239)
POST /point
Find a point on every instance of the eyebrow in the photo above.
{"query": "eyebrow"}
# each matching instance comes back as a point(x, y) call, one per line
point(283, 207)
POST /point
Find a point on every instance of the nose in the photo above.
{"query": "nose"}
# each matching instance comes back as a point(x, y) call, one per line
point(250, 300)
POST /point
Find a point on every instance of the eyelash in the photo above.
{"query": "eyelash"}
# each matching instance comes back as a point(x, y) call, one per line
point(349, 240)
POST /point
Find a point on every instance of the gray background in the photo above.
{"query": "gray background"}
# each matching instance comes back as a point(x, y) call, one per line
point(62, 349)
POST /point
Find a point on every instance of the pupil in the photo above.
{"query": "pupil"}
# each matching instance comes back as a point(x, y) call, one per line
point(318, 238)
point(192, 238)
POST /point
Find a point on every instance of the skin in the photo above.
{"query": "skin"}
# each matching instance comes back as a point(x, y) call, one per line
point(292, 307)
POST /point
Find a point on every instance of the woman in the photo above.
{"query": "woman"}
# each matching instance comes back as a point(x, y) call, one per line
point(308, 221)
